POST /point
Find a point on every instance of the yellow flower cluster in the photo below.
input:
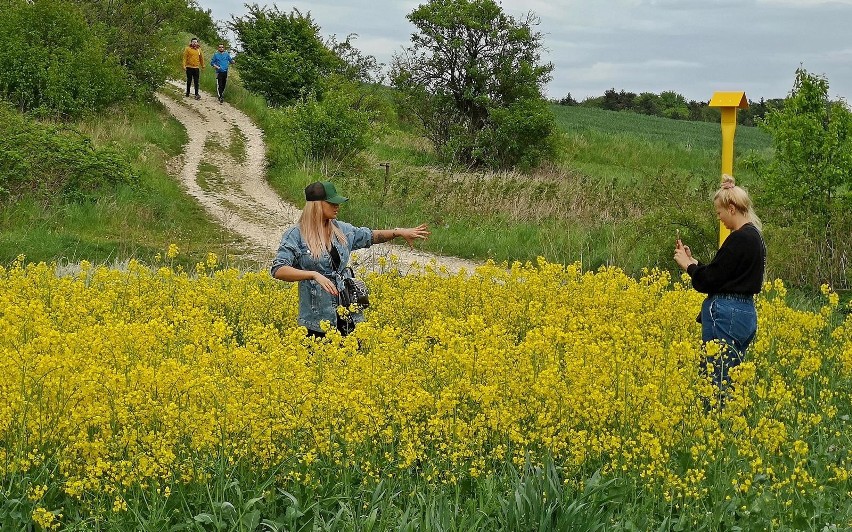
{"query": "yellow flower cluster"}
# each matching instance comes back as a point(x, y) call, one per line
point(142, 376)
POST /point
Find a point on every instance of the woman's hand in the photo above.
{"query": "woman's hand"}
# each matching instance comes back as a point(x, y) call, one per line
point(683, 256)
point(413, 233)
point(325, 283)
point(410, 234)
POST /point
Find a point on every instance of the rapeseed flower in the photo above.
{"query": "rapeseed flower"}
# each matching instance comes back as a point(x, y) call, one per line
point(145, 377)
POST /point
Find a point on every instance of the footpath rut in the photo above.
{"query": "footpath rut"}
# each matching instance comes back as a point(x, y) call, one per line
point(230, 183)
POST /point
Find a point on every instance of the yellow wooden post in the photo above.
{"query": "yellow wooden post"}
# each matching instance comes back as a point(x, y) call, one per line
point(729, 102)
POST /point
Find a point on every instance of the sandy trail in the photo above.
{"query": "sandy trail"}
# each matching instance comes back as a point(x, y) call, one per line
point(232, 187)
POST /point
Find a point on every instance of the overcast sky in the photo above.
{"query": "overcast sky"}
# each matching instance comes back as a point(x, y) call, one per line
point(693, 47)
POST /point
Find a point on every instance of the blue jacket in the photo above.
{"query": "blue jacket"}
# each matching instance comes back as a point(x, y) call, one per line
point(223, 59)
point(315, 304)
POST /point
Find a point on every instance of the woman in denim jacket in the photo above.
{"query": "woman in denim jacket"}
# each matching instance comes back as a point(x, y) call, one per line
point(730, 280)
point(316, 251)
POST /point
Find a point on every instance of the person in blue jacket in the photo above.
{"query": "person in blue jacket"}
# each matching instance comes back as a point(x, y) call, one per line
point(315, 253)
point(220, 61)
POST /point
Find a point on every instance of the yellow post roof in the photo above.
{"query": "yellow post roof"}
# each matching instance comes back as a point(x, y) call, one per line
point(729, 99)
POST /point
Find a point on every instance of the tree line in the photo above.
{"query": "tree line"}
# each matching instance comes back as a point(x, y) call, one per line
point(670, 104)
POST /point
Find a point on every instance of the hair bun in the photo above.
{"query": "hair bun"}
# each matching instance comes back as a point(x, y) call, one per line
point(728, 181)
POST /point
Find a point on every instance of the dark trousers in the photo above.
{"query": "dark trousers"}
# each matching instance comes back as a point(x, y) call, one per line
point(192, 75)
point(221, 79)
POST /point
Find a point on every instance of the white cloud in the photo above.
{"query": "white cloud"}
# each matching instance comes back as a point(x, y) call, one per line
point(694, 47)
point(612, 72)
point(806, 3)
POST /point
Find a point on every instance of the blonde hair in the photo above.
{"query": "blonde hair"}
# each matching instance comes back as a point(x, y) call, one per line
point(729, 194)
point(314, 231)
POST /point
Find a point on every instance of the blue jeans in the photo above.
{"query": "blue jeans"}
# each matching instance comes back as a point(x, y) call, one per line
point(732, 320)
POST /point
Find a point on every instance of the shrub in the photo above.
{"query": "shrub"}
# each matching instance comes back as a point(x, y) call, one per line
point(810, 178)
point(521, 135)
point(283, 56)
point(51, 160)
point(335, 128)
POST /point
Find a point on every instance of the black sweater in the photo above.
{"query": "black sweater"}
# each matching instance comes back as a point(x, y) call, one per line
point(737, 267)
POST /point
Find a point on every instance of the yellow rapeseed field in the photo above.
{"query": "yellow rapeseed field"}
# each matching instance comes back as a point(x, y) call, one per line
point(112, 380)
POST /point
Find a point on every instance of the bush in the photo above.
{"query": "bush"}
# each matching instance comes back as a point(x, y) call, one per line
point(809, 182)
point(336, 128)
point(53, 64)
point(521, 135)
point(49, 161)
point(283, 57)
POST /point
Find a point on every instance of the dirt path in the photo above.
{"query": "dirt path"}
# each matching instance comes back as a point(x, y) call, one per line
point(223, 167)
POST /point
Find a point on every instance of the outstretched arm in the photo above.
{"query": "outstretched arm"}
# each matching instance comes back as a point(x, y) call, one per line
point(410, 234)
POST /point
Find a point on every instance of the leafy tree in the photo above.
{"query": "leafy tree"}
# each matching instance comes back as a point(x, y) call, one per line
point(568, 100)
point(53, 63)
point(354, 65)
point(673, 105)
point(336, 128)
point(470, 72)
point(593, 101)
point(648, 103)
point(810, 179)
point(618, 101)
point(199, 22)
point(283, 57)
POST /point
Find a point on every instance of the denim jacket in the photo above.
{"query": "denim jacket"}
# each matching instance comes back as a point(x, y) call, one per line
point(315, 304)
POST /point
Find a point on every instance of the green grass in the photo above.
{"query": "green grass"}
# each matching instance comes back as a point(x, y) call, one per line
point(128, 222)
point(615, 197)
point(662, 131)
point(237, 146)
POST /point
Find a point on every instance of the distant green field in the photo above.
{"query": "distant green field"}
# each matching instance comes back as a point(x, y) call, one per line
point(631, 150)
point(679, 133)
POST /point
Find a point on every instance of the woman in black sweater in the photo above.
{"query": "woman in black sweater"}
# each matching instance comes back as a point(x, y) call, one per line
point(730, 280)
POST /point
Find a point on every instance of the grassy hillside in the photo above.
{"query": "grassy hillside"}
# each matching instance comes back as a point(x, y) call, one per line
point(676, 133)
point(128, 221)
point(627, 146)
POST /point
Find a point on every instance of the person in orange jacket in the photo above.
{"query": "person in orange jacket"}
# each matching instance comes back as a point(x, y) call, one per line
point(193, 63)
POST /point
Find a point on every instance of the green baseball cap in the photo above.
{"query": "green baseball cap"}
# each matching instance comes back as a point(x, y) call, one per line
point(323, 191)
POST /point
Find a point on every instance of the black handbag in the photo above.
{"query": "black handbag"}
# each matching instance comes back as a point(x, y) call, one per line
point(355, 291)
